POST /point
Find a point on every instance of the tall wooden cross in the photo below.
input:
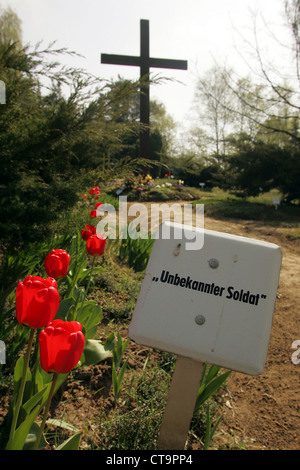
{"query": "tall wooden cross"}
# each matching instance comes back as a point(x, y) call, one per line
point(144, 61)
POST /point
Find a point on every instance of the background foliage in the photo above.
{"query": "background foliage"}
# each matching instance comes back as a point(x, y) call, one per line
point(62, 129)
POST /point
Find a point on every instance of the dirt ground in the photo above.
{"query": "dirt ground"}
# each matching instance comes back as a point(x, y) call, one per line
point(264, 411)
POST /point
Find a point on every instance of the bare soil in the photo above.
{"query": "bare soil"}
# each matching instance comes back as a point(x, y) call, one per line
point(264, 411)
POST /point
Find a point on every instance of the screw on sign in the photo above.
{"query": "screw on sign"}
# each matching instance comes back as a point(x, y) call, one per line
point(210, 305)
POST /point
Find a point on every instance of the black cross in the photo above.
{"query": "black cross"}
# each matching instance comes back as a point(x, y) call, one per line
point(144, 61)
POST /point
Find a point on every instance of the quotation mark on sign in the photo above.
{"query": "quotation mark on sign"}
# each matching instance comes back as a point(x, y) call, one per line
point(155, 279)
point(263, 296)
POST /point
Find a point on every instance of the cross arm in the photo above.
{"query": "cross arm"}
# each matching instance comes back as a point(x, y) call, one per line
point(169, 63)
point(120, 59)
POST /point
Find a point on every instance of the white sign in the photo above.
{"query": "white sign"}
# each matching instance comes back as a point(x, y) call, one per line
point(276, 202)
point(214, 304)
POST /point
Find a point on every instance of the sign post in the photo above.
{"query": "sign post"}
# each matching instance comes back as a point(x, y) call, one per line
point(181, 403)
point(209, 302)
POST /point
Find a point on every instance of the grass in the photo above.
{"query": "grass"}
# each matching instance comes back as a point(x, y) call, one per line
point(163, 190)
point(136, 424)
point(262, 209)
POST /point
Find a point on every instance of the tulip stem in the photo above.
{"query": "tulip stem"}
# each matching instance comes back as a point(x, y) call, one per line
point(46, 411)
point(91, 273)
point(75, 274)
point(88, 286)
point(21, 390)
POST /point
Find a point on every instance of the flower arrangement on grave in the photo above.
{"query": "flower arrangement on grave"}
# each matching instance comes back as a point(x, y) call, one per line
point(147, 180)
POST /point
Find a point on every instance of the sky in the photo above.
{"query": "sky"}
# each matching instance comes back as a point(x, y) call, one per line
point(203, 32)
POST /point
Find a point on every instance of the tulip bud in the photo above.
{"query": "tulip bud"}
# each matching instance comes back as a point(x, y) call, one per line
point(57, 263)
point(88, 231)
point(95, 244)
point(37, 301)
point(95, 191)
point(61, 346)
point(93, 213)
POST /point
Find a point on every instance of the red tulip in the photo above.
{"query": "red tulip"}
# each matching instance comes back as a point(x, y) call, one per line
point(57, 263)
point(84, 196)
point(93, 213)
point(61, 346)
point(95, 191)
point(88, 231)
point(95, 245)
point(98, 204)
point(37, 301)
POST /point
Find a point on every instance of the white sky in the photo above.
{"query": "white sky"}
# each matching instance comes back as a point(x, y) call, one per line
point(199, 31)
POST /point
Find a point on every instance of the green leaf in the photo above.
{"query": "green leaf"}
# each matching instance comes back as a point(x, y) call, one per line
point(38, 397)
point(119, 350)
point(117, 379)
point(94, 352)
point(110, 342)
point(22, 431)
point(18, 373)
point(205, 391)
point(207, 430)
point(210, 432)
point(41, 378)
point(122, 371)
point(62, 424)
point(70, 444)
point(213, 371)
point(31, 438)
point(90, 316)
point(64, 308)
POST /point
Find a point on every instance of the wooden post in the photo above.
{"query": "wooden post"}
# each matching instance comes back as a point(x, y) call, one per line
point(145, 91)
point(181, 404)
